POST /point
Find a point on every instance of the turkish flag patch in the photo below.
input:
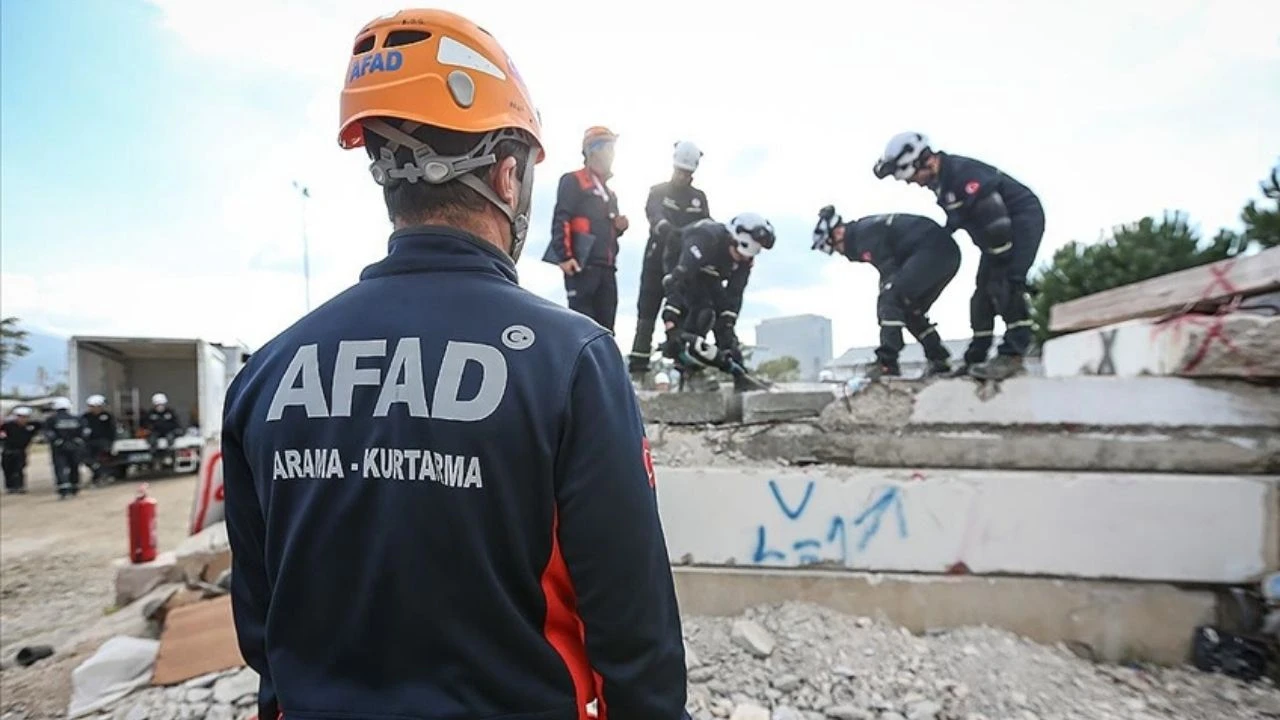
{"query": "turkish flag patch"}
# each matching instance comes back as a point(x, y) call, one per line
point(648, 463)
point(972, 187)
point(866, 256)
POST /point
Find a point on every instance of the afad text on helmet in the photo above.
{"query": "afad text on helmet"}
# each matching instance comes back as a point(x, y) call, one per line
point(388, 61)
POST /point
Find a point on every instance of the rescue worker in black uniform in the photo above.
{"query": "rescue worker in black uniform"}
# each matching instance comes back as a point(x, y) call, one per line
point(916, 259)
point(672, 205)
point(439, 495)
point(65, 433)
point(161, 421)
point(585, 227)
point(100, 427)
point(16, 434)
point(1004, 219)
point(704, 294)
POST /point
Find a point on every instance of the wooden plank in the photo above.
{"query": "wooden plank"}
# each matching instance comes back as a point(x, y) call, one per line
point(197, 639)
point(1168, 293)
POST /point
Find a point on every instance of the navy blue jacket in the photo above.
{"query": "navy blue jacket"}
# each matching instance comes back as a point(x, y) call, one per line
point(963, 182)
point(887, 241)
point(441, 505)
point(585, 204)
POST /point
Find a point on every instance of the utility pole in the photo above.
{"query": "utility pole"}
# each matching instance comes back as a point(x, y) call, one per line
point(306, 252)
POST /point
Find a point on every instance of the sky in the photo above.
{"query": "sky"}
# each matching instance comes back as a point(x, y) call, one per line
point(148, 147)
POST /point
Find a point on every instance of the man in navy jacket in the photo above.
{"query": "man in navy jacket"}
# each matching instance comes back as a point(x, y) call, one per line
point(439, 494)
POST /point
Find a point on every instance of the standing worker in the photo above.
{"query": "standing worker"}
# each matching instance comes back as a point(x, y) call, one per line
point(66, 446)
point(16, 435)
point(916, 259)
point(671, 206)
point(1004, 219)
point(100, 427)
point(585, 227)
point(446, 514)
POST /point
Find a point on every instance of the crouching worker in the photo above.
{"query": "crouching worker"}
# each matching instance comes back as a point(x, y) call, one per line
point(704, 294)
point(916, 259)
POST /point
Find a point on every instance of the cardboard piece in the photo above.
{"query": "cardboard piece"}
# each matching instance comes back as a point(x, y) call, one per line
point(198, 639)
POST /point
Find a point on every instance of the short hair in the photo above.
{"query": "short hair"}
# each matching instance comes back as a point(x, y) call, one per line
point(418, 202)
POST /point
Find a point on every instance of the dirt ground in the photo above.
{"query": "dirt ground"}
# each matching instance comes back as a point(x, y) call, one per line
point(56, 580)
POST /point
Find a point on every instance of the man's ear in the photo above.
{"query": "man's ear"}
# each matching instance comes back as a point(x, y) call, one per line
point(505, 182)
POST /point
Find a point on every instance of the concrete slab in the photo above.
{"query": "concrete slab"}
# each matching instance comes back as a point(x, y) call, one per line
point(786, 404)
point(1235, 345)
point(690, 408)
point(135, 581)
point(1181, 528)
point(1234, 453)
point(1149, 402)
point(1115, 622)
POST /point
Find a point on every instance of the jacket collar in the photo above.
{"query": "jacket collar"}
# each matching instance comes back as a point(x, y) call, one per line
point(436, 248)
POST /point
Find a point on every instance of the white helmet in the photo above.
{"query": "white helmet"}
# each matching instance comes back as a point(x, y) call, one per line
point(686, 156)
point(22, 412)
point(95, 401)
point(752, 233)
point(902, 156)
point(61, 404)
point(159, 399)
point(661, 379)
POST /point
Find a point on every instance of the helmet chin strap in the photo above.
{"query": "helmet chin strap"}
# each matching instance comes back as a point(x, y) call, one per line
point(436, 169)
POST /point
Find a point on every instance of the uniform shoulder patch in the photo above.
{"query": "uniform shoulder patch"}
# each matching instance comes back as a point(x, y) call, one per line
point(648, 463)
point(693, 250)
point(866, 256)
point(972, 187)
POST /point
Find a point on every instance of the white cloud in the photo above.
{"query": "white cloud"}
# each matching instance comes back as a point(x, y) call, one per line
point(1109, 110)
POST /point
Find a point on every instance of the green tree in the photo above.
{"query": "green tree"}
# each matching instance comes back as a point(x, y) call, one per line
point(783, 369)
point(12, 342)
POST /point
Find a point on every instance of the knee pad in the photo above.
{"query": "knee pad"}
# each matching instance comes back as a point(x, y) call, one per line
point(890, 308)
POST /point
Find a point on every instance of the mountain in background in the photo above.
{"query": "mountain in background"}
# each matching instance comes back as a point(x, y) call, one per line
point(23, 377)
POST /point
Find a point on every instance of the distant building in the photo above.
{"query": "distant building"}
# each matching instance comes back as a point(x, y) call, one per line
point(855, 361)
point(807, 338)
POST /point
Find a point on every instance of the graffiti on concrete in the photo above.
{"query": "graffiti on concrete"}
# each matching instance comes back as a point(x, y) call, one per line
point(799, 537)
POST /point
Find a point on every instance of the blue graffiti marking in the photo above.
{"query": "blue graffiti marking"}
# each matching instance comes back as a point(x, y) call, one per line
point(837, 528)
point(875, 513)
point(809, 557)
point(762, 554)
point(793, 514)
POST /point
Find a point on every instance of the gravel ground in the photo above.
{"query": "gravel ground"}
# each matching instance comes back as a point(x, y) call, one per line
point(56, 582)
point(794, 662)
point(803, 662)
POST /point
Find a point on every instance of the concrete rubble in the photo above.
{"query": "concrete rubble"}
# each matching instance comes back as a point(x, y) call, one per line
point(823, 664)
point(1113, 424)
point(230, 695)
point(845, 667)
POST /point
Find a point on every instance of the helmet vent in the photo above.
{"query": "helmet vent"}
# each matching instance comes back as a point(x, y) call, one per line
point(364, 45)
point(396, 38)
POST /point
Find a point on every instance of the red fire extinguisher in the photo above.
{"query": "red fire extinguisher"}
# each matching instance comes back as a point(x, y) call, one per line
point(142, 527)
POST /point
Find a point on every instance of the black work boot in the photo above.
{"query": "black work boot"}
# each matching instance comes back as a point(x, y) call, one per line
point(938, 368)
point(1001, 367)
point(882, 370)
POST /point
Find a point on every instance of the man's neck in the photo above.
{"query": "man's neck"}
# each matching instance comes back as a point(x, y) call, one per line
point(483, 226)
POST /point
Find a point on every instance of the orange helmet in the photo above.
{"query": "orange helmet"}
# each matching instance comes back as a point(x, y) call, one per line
point(435, 68)
point(596, 134)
